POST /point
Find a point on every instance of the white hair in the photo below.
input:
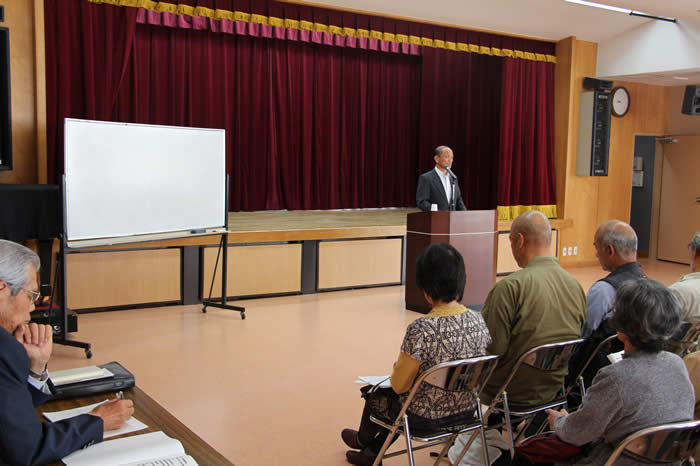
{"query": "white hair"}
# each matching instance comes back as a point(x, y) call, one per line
point(14, 262)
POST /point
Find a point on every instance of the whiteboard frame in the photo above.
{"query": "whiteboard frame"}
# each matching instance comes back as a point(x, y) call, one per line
point(217, 228)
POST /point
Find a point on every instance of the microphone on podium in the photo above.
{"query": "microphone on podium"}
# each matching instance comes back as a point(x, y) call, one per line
point(447, 167)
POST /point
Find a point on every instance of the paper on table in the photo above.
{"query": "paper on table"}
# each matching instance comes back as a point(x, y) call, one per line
point(384, 381)
point(79, 374)
point(131, 425)
point(137, 449)
point(182, 460)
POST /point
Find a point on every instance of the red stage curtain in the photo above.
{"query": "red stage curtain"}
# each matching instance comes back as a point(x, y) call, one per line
point(312, 126)
point(460, 108)
point(282, 20)
point(526, 161)
point(87, 52)
point(308, 127)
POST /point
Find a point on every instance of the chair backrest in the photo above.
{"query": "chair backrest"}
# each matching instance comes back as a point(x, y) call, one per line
point(604, 347)
point(686, 340)
point(665, 443)
point(549, 357)
point(462, 375)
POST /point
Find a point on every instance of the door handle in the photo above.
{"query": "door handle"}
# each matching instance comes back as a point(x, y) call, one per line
point(697, 199)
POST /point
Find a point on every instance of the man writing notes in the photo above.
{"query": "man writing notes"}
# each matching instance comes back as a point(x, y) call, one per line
point(439, 186)
point(25, 350)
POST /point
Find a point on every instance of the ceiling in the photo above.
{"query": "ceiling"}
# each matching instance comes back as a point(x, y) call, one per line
point(544, 19)
point(671, 78)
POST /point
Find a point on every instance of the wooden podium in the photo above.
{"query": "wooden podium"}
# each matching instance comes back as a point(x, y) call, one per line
point(474, 233)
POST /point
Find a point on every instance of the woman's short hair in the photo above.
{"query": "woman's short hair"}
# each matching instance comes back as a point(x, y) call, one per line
point(14, 261)
point(647, 312)
point(440, 272)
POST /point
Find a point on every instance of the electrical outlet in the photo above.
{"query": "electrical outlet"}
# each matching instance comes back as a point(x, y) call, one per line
point(563, 251)
point(571, 251)
point(575, 250)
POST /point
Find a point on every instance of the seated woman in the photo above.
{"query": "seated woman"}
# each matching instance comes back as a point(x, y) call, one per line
point(647, 388)
point(449, 332)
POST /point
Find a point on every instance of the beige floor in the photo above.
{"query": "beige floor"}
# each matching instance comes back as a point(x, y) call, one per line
point(275, 388)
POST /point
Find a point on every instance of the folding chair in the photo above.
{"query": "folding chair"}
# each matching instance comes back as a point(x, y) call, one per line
point(686, 340)
point(549, 357)
point(667, 443)
point(604, 347)
point(464, 375)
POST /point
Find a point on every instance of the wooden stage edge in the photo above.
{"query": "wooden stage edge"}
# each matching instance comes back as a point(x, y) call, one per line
point(305, 225)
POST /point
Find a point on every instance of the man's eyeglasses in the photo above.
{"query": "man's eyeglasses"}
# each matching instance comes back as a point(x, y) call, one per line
point(32, 295)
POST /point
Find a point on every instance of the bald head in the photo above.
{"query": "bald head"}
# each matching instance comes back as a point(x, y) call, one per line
point(535, 228)
point(619, 235)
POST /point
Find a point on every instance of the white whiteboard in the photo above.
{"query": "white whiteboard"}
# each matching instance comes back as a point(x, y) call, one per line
point(125, 179)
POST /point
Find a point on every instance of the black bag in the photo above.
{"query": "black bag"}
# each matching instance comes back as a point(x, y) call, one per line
point(122, 380)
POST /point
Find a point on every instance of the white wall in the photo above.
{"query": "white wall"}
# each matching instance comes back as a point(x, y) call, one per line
point(653, 47)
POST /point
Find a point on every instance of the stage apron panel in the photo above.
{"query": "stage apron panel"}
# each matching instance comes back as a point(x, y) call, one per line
point(344, 264)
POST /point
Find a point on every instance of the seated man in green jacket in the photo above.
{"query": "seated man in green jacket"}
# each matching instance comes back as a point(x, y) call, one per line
point(539, 304)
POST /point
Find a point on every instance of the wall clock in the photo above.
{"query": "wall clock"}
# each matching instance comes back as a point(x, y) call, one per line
point(620, 101)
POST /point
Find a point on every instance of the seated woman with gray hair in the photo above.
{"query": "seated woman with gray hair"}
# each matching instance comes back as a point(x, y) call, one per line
point(647, 387)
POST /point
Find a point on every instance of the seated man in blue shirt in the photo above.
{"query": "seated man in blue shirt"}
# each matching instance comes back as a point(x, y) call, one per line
point(616, 249)
point(25, 350)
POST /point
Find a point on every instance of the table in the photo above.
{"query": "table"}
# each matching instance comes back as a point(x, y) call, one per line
point(148, 411)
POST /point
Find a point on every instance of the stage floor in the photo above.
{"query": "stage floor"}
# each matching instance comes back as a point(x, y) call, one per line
point(297, 225)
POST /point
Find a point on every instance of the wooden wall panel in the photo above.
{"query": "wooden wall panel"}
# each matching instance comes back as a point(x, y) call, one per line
point(581, 199)
point(255, 270)
point(356, 263)
point(19, 18)
point(506, 262)
point(589, 201)
point(121, 278)
point(678, 122)
point(563, 100)
point(647, 116)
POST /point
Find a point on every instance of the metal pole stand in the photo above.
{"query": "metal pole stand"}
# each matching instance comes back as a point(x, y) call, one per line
point(223, 246)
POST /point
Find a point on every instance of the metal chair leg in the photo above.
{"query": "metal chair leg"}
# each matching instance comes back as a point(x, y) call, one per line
point(484, 445)
point(387, 443)
point(444, 450)
point(407, 433)
point(508, 425)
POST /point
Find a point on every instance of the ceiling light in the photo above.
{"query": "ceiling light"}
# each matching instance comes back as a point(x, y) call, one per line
point(622, 10)
point(682, 78)
point(601, 5)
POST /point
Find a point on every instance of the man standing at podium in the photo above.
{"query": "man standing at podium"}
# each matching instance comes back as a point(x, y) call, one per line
point(439, 186)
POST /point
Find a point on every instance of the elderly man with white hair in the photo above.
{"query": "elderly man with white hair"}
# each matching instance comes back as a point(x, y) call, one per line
point(616, 249)
point(25, 350)
point(688, 287)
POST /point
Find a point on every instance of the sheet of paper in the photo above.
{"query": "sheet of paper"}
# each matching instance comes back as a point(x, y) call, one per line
point(616, 357)
point(183, 460)
point(131, 425)
point(79, 374)
point(139, 449)
point(384, 381)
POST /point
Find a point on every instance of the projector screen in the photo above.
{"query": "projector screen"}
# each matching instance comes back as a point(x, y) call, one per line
point(125, 179)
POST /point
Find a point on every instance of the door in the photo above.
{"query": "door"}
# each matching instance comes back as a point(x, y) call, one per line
point(679, 216)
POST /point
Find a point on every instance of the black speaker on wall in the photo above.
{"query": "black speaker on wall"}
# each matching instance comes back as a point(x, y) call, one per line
point(691, 100)
point(5, 101)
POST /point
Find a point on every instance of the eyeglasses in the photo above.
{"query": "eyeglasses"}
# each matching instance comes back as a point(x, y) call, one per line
point(32, 295)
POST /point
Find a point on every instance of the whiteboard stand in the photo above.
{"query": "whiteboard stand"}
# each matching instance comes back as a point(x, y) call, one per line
point(60, 277)
point(223, 247)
